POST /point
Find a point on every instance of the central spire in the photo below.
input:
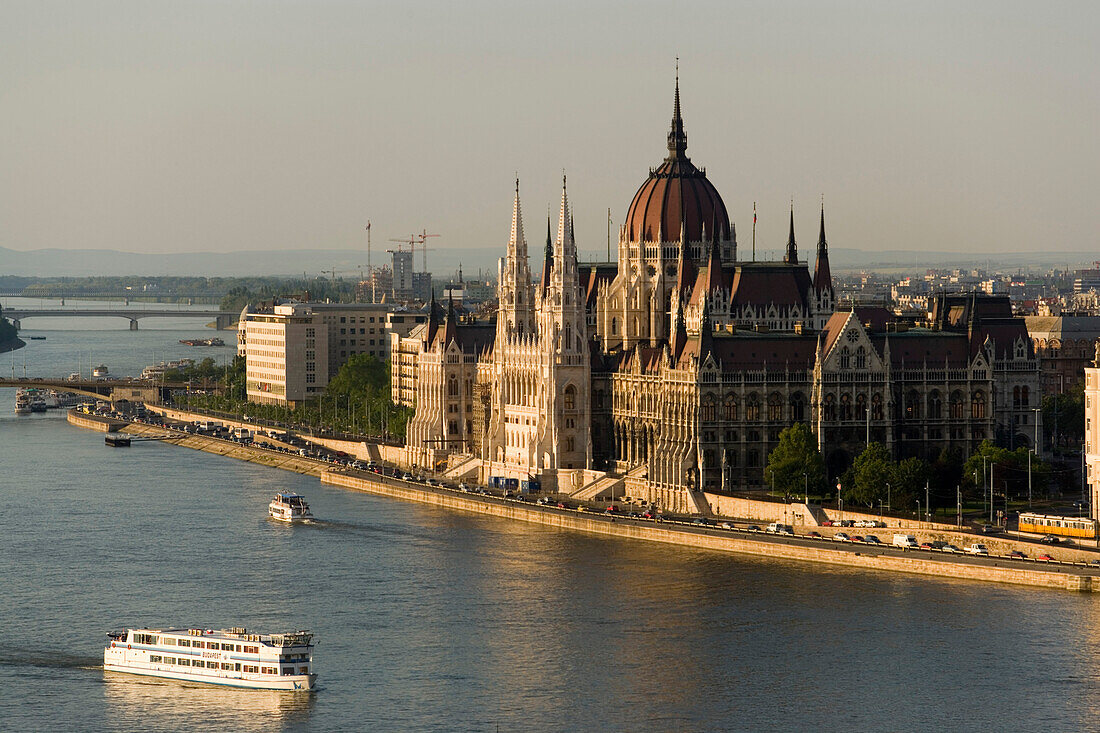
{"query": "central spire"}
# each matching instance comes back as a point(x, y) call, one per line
point(677, 139)
point(792, 249)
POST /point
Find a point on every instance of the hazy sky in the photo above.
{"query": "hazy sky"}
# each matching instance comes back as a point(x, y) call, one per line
point(171, 126)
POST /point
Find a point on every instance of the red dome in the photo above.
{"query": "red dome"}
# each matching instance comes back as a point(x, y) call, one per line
point(677, 193)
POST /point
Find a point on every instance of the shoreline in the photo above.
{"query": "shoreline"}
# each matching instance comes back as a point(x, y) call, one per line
point(799, 549)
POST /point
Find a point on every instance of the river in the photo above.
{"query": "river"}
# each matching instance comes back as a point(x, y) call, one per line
point(430, 620)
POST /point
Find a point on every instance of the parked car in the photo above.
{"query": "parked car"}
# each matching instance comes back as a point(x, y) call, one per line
point(752, 528)
point(814, 535)
point(977, 548)
point(841, 537)
point(1017, 555)
point(950, 548)
point(871, 540)
point(1045, 557)
point(1049, 540)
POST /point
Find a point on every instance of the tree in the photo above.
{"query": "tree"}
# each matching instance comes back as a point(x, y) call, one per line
point(1065, 413)
point(865, 482)
point(795, 455)
point(1006, 470)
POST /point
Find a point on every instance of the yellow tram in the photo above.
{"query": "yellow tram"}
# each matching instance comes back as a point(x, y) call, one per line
point(1061, 526)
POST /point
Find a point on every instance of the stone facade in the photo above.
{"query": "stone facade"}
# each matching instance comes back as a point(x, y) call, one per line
point(672, 371)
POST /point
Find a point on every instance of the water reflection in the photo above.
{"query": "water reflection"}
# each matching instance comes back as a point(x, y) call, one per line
point(150, 704)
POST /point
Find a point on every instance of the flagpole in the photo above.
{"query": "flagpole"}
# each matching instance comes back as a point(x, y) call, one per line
point(754, 231)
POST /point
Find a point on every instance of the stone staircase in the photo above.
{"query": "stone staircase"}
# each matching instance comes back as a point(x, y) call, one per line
point(467, 467)
point(605, 485)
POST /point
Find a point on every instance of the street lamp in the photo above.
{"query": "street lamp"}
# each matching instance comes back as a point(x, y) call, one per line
point(918, 511)
point(806, 487)
point(887, 494)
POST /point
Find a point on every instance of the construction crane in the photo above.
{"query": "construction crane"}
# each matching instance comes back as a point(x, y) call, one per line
point(413, 241)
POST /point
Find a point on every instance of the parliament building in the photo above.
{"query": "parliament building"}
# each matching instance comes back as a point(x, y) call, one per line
point(669, 373)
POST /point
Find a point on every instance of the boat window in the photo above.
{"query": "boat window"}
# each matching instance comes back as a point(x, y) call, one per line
point(252, 650)
point(155, 658)
point(236, 667)
point(238, 647)
point(183, 642)
point(199, 644)
point(227, 647)
point(211, 665)
point(184, 662)
point(168, 641)
point(169, 660)
point(303, 670)
point(227, 665)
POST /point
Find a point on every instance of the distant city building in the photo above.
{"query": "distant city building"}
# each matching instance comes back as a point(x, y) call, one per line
point(1086, 280)
point(1065, 346)
point(672, 371)
point(292, 350)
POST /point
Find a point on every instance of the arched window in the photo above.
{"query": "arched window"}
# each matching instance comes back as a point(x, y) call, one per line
point(861, 358)
point(614, 326)
point(798, 407)
point(708, 409)
point(956, 405)
point(570, 398)
point(977, 405)
point(846, 407)
point(912, 405)
point(1016, 396)
point(730, 409)
point(1025, 398)
point(845, 358)
point(876, 407)
point(775, 407)
point(935, 405)
point(752, 407)
point(861, 407)
point(830, 407)
point(452, 387)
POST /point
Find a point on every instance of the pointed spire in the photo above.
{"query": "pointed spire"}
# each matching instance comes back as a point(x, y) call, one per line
point(677, 139)
point(679, 337)
point(823, 277)
point(792, 249)
point(706, 331)
point(433, 319)
point(565, 233)
point(450, 324)
point(517, 244)
point(548, 260)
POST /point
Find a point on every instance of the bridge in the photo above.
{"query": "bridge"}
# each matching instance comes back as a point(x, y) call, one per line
point(222, 319)
point(135, 390)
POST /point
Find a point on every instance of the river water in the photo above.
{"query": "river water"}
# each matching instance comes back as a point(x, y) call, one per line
point(430, 620)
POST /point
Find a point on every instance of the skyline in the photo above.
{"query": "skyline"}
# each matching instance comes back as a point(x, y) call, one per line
point(288, 127)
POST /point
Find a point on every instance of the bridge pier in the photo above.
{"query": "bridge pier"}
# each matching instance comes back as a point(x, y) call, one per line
point(15, 322)
point(223, 322)
point(133, 324)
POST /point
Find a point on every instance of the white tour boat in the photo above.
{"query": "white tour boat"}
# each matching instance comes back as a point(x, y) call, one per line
point(100, 371)
point(231, 657)
point(289, 508)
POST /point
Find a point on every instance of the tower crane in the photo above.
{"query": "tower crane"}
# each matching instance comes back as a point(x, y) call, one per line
point(415, 240)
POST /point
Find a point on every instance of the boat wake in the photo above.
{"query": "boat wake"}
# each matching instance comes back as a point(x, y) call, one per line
point(10, 657)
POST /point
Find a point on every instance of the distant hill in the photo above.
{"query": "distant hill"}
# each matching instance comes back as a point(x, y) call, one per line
point(293, 262)
point(287, 263)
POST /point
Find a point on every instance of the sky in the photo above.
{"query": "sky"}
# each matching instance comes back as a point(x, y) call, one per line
point(199, 126)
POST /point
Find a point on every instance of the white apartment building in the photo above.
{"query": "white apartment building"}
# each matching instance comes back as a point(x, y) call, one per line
point(293, 350)
point(286, 352)
point(1092, 433)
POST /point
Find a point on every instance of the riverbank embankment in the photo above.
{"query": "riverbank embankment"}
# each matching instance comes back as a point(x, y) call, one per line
point(1062, 576)
point(762, 545)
